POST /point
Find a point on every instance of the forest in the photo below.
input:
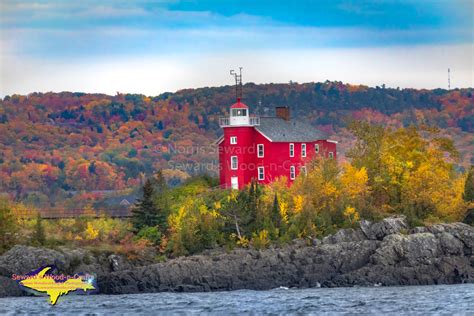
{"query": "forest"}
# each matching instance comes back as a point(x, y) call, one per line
point(405, 171)
point(72, 149)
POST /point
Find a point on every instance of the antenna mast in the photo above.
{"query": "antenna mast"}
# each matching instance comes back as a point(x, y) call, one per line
point(238, 83)
point(449, 79)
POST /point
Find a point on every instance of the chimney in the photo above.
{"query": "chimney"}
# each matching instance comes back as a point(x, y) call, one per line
point(283, 112)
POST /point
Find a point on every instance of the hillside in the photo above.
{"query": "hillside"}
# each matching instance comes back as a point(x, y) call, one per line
point(53, 143)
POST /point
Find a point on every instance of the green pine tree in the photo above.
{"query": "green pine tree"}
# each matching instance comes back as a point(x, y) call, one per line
point(276, 216)
point(152, 209)
point(469, 186)
point(469, 196)
point(144, 213)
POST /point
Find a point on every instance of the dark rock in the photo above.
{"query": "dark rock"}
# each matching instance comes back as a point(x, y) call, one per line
point(8, 287)
point(388, 226)
point(23, 259)
point(380, 255)
point(377, 254)
point(118, 263)
point(345, 235)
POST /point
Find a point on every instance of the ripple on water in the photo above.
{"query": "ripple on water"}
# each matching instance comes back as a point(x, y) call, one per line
point(441, 299)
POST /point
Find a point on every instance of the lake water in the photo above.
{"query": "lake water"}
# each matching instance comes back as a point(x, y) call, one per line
point(422, 300)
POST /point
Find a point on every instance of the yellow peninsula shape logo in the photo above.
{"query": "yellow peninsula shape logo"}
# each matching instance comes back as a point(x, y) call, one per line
point(46, 283)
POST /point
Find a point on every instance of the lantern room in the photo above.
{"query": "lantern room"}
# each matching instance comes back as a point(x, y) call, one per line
point(239, 114)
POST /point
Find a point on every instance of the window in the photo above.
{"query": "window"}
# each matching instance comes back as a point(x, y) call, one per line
point(331, 155)
point(316, 148)
point(303, 170)
point(239, 112)
point(234, 183)
point(303, 150)
point(292, 150)
point(292, 173)
point(233, 163)
point(261, 173)
point(260, 151)
point(233, 140)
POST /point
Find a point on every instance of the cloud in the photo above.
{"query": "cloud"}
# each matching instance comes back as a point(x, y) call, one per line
point(117, 40)
point(47, 45)
point(417, 67)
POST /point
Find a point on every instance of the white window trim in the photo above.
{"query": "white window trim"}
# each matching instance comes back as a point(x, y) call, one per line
point(258, 151)
point(231, 184)
point(232, 165)
point(331, 155)
point(316, 148)
point(233, 140)
point(263, 173)
point(292, 173)
point(303, 150)
point(292, 150)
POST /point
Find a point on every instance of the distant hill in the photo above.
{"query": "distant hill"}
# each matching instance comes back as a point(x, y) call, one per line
point(56, 142)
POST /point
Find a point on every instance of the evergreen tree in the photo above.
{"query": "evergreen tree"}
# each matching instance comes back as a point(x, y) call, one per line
point(276, 216)
point(145, 213)
point(255, 220)
point(469, 196)
point(153, 208)
point(469, 186)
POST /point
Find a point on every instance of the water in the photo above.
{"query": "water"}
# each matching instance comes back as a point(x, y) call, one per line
point(441, 299)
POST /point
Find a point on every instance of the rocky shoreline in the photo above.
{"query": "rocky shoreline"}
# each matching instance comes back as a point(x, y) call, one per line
point(386, 253)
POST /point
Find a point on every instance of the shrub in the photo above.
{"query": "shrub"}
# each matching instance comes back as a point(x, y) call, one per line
point(152, 234)
point(8, 227)
point(39, 235)
point(260, 240)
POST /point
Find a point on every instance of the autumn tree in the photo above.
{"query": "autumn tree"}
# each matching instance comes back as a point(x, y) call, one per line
point(367, 153)
point(409, 171)
point(161, 200)
point(194, 226)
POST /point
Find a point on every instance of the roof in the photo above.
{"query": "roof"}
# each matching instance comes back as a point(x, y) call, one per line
point(279, 130)
point(239, 105)
point(125, 202)
point(219, 140)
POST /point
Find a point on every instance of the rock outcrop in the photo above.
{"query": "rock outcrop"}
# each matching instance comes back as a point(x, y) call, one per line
point(384, 253)
point(23, 259)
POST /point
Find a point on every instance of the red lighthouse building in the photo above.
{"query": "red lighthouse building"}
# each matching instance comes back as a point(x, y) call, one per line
point(265, 148)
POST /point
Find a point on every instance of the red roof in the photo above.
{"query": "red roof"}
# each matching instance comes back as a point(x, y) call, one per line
point(239, 105)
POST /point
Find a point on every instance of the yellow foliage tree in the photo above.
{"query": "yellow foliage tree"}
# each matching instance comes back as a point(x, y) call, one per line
point(91, 233)
point(283, 211)
point(351, 214)
point(298, 202)
point(354, 181)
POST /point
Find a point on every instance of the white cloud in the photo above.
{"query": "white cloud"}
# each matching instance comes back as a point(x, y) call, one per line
point(417, 67)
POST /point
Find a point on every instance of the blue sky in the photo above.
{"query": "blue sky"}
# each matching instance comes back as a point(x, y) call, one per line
point(155, 46)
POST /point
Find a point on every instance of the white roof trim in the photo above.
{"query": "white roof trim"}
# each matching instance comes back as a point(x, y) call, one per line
point(219, 140)
point(263, 134)
point(332, 141)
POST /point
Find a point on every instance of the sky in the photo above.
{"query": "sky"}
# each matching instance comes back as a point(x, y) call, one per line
point(155, 46)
